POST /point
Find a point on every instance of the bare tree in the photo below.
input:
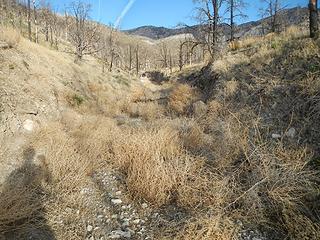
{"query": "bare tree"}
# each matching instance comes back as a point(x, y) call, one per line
point(54, 30)
point(137, 60)
point(44, 15)
point(272, 10)
point(112, 48)
point(209, 18)
point(170, 61)
point(35, 20)
point(29, 20)
point(130, 57)
point(181, 63)
point(163, 53)
point(314, 22)
point(235, 7)
point(83, 33)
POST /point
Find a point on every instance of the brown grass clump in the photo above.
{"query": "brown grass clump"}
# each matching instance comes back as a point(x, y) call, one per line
point(207, 228)
point(234, 45)
point(11, 36)
point(181, 98)
point(148, 111)
point(154, 163)
point(230, 88)
point(94, 138)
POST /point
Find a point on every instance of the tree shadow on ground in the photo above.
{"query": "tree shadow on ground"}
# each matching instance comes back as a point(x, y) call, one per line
point(203, 79)
point(156, 77)
point(22, 213)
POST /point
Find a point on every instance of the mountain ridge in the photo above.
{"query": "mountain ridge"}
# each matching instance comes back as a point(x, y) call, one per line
point(294, 16)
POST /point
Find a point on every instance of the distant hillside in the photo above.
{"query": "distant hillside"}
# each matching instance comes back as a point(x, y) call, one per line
point(293, 16)
point(157, 32)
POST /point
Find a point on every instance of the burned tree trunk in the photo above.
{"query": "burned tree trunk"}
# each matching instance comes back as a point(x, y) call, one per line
point(314, 25)
point(137, 60)
point(29, 20)
point(232, 20)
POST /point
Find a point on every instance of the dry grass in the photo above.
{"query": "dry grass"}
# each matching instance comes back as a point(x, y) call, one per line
point(148, 111)
point(181, 98)
point(69, 172)
point(234, 45)
point(11, 36)
point(154, 163)
point(207, 228)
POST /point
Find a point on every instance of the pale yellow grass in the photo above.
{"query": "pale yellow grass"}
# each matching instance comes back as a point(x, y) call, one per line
point(11, 36)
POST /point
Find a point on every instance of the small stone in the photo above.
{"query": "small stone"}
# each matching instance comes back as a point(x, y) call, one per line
point(119, 233)
point(291, 133)
point(118, 193)
point(116, 201)
point(125, 224)
point(114, 216)
point(28, 125)
point(144, 205)
point(136, 221)
point(89, 228)
point(115, 236)
point(276, 136)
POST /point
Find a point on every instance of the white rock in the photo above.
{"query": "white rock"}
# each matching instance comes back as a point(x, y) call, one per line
point(115, 236)
point(89, 228)
point(28, 125)
point(144, 205)
point(291, 133)
point(118, 193)
point(136, 221)
point(125, 224)
point(276, 136)
point(114, 216)
point(116, 201)
point(118, 234)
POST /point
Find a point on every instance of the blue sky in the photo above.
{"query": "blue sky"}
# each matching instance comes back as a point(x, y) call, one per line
point(167, 13)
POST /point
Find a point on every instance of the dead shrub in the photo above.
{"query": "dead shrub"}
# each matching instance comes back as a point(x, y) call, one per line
point(234, 45)
point(94, 138)
point(69, 174)
point(11, 36)
point(148, 111)
point(138, 94)
point(210, 227)
point(154, 163)
point(66, 166)
point(181, 98)
point(230, 88)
